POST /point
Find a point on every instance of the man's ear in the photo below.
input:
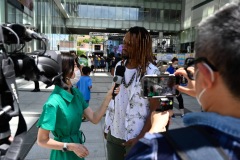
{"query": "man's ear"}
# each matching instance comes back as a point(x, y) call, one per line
point(207, 75)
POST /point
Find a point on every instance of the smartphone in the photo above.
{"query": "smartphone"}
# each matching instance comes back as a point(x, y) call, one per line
point(159, 86)
point(165, 104)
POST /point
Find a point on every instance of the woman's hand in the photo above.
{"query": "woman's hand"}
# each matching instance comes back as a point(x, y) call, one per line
point(190, 88)
point(159, 121)
point(79, 149)
point(110, 91)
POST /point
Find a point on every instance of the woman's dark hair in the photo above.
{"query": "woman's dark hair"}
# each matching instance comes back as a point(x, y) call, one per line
point(67, 65)
point(77, 62)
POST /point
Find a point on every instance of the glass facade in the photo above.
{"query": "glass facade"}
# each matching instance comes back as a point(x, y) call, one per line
point(47, 18)
point(160, 15)
point(2, 11)
point(49, 21)
point(126, 13)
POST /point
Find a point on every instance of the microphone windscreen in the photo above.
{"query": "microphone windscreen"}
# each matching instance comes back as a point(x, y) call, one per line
point(120, 71)
point(117, 79)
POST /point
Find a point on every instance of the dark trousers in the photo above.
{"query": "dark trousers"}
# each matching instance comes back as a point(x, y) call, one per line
point(36, 83)
point(180, 101)
point(115, 149)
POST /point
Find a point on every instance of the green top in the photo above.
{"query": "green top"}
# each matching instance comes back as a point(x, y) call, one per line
point(62, 115)
point(152, 94)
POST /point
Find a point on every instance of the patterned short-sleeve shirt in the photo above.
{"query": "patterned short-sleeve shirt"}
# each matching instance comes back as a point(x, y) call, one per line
point(126, 116)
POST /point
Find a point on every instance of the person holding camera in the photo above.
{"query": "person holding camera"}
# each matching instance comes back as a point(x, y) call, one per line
point(215, 73)
point(62, 114)
point(128, 116)
point(171, 69)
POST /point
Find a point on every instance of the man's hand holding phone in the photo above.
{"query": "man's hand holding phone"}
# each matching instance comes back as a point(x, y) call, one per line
point(190, 88)
point(160, 120)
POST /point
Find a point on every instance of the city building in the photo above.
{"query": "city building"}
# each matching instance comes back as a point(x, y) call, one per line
point(171, 22)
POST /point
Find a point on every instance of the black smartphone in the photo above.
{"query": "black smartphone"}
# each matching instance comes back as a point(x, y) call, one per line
point(159, 86)
point(165, 104)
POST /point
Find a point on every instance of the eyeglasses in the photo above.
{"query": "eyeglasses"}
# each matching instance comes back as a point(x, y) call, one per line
point(190, 62)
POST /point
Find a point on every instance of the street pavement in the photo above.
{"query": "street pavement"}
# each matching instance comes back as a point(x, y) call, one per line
point(31, 106)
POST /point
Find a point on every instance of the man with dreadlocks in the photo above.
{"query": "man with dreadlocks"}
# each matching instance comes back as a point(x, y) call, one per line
point(128, 117)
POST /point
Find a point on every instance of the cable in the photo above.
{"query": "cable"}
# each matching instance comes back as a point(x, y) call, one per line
point(18, 41)
point(45, 47)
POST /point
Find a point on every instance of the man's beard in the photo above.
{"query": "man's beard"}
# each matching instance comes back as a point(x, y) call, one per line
point(124, 56)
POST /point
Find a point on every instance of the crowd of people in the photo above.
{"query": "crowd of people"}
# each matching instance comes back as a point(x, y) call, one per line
point(134, 129)
point(101, 63)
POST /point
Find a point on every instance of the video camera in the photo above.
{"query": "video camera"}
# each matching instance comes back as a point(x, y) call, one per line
point(41, 65)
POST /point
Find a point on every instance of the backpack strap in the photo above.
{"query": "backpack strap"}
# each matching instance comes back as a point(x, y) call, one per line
point(194, 143)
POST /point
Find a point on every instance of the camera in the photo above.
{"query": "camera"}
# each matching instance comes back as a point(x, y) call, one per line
point(41, 65)
point(165, 104)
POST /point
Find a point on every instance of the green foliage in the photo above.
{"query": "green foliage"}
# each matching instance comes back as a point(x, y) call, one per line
point(94, 40)
point(86, 40)
point(79, 42)
point(80, 52)
point(71, 38)
point(97, 40)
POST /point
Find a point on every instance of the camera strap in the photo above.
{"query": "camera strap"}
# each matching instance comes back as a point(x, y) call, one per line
point(1, 36)
point(1, 80)
point(9, 75)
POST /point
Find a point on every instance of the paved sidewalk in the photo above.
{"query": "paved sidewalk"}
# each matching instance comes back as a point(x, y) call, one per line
point(31, 105)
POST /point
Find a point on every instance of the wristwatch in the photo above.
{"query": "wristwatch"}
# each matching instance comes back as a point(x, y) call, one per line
point(65, 147)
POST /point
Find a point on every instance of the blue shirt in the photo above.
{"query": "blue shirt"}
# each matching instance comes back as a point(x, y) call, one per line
point(171, 69)
point(225, 130)
point(83, 85)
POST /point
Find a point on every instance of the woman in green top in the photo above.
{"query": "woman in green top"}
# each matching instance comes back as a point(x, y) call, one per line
point(152, 92)
point(62, 115)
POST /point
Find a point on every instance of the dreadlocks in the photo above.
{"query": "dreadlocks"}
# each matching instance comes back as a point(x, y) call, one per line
point(141, 52)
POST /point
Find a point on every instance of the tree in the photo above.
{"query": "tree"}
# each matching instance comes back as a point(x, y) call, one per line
point(79, 42)
point(93, 41)
point(80, 52)
point(86, 40)
point(71, 38)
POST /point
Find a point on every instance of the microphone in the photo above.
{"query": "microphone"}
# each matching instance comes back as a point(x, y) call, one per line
point(118, 78)
point(24, 34)
point(32, 34)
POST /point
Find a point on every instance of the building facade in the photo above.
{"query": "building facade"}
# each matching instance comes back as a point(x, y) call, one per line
point(172, 23)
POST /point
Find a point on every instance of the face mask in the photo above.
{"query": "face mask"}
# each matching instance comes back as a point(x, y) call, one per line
point(175, 66)
point(198, 97)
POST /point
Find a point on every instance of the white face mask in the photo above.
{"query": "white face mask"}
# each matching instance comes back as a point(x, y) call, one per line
point(198, 97)
point(175, 66)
